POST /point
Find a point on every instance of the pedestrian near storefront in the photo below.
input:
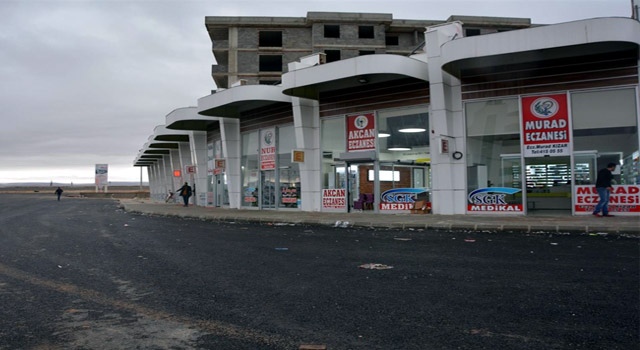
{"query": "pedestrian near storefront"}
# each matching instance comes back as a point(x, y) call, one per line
point(604, 188)
point(185, 192)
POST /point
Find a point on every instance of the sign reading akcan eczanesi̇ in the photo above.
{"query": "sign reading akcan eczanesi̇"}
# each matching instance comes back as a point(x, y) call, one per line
point(361, 132)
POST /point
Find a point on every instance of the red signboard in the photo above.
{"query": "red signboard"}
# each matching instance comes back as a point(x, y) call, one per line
point(220, 165)
point(268, 149)
point(545, 126)
point(361, 132)
point(624, 199)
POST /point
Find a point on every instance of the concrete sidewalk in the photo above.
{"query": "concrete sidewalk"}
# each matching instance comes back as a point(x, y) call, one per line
point(585, 224)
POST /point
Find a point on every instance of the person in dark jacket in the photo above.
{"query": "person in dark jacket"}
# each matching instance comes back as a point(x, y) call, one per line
point(603, 186)
point(59, 192)
point(185, 192)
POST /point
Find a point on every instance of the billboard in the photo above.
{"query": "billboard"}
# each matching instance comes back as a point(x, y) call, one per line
point(102, 175)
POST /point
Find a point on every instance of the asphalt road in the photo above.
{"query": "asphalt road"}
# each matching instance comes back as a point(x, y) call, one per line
point(83, 274)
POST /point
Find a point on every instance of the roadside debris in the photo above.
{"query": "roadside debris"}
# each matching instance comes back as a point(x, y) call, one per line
point(312, 347)
point(342, 223)
point(375, 266)
point(284, 224)
point(470, 240)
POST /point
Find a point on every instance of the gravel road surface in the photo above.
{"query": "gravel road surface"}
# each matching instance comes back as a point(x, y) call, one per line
point(83, 274)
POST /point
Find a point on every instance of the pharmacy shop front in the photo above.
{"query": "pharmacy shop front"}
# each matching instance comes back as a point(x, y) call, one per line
point(540, 153)
point(376, 161)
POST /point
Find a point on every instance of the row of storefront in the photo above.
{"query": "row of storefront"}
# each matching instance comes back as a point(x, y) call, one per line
point(516, 122)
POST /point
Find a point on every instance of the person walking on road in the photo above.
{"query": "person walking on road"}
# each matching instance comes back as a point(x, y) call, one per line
point(185, 193)
point(604, 188)
point(59, 192)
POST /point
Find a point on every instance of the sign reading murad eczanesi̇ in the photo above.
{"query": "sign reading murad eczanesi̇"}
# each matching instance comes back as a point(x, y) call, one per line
point(623, 199)
point(545, 126)
point(361, 132)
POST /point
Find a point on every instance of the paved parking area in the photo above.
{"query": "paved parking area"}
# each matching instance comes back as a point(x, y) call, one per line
point(85, 274)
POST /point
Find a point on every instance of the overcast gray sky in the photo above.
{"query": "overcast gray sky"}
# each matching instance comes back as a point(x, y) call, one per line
point(85, 81)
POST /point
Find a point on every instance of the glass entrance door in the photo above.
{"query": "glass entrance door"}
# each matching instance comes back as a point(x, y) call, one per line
point(268, 193)
point(359, 187)
point(585, 167)
point(548, 182)
point(221, 195)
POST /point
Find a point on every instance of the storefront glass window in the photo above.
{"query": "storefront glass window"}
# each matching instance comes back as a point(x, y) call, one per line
point(333, 142)
point(272, 188)
point(493, 154)
point(250, 169)
point(402, 148)
point(289, 172)
point(605, 129)
point(210, 177)
point(403, 135)
point(405, 158)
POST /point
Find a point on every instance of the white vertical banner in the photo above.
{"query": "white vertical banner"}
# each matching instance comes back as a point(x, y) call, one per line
point(102, 175)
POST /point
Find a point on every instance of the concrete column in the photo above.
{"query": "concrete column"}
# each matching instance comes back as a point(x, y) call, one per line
point(233, 57)
point(152, 181)
point(159, 178)
point(176, 182)
point(185, 159)
point(232, 152)
point(159, 183)
point(446, 121)
point(306, 119)
point(198, 145)
point(167, 176)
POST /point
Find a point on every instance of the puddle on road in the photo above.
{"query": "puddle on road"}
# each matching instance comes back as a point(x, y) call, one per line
point(127, 289)
point(94, 329)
